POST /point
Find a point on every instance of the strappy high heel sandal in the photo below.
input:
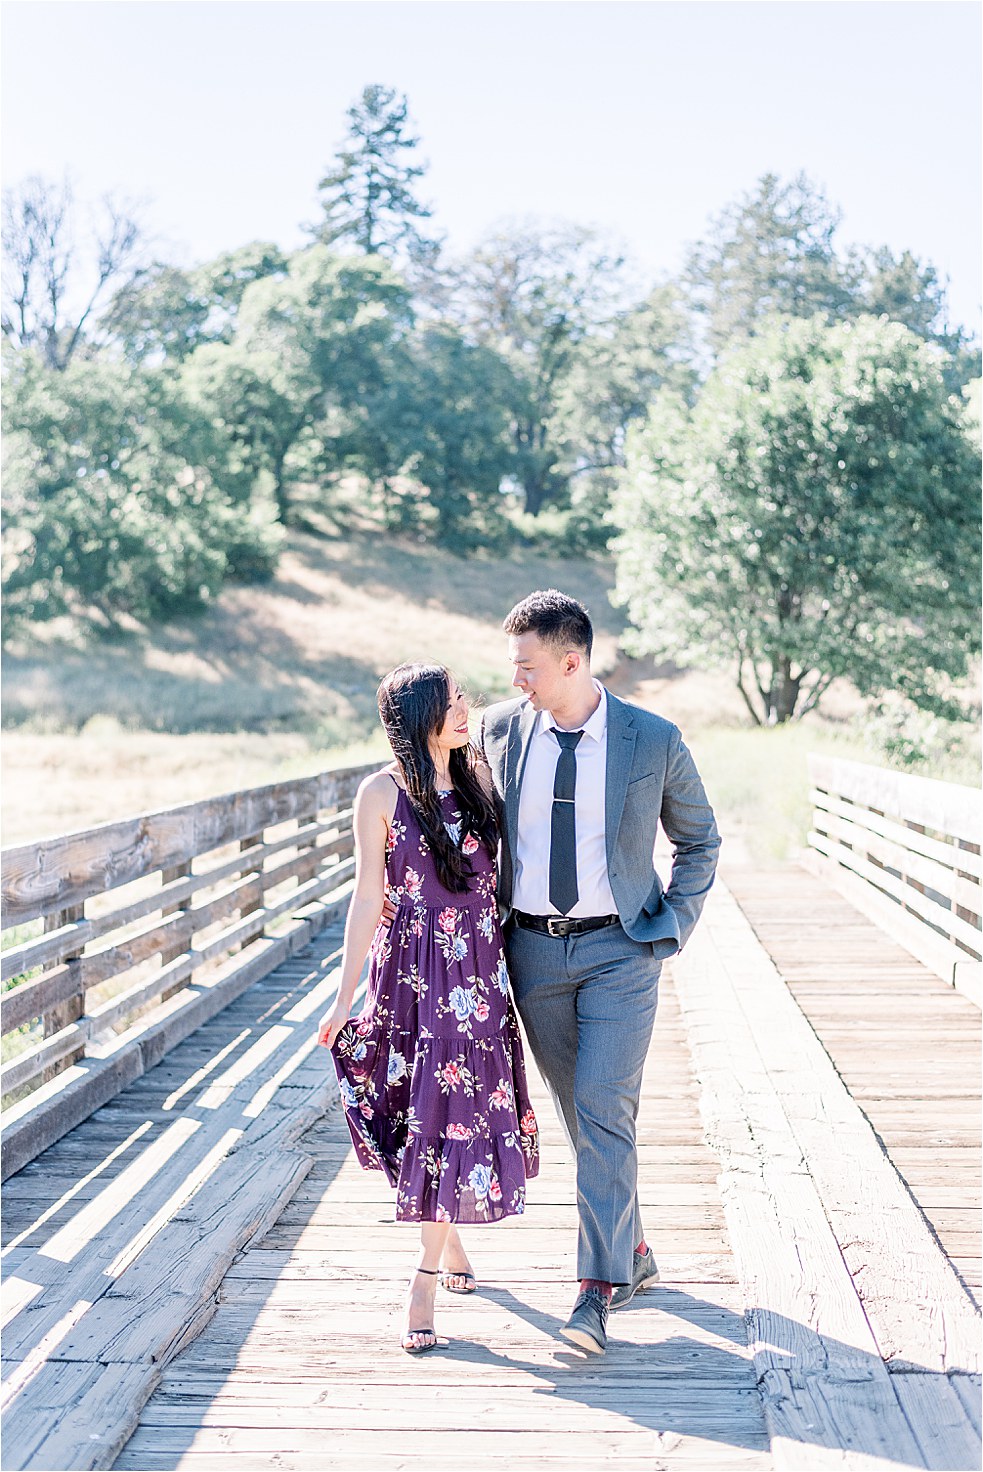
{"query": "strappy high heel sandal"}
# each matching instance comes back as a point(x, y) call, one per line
point(470, 1281)
point(420, 1348)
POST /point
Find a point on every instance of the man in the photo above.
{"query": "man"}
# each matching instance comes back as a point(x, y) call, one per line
point(583, 780)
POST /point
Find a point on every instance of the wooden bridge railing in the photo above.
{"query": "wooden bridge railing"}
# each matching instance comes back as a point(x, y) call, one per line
point(150, 927)
point(906, 851)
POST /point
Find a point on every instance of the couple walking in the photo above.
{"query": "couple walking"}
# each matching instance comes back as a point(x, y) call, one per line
point(526, 862)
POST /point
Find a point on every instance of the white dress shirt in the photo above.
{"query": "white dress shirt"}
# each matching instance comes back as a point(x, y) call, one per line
point(530, 891)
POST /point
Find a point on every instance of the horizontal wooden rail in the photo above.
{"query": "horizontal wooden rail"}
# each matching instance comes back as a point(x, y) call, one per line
point(151, 925)
point(906, 851)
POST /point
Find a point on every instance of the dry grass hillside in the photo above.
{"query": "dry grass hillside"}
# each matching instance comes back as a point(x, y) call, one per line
point(270, 682)
point(280, 680)
point(304, 653)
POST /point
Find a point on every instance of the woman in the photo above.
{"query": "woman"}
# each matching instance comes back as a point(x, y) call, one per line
point(431, 1073)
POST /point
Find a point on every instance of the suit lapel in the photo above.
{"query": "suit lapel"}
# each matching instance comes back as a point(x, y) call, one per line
point(517, 749)
point(621, 750)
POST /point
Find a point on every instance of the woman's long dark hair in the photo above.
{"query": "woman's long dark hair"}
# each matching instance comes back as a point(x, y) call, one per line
point(413, 701)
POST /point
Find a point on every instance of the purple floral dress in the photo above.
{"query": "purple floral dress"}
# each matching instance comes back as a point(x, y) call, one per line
point(431, 1073)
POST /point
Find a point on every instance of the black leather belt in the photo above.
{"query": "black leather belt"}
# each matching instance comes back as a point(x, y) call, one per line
point(561, 924)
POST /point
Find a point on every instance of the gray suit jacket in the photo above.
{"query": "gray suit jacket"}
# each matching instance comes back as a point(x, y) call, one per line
point(651, 777)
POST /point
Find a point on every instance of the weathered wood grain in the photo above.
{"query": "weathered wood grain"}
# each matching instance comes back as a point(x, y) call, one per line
point(910, 898)
point(132, 1275)
point(41, 878)
point(50, 948)
point(963, 860)
point(947, 1435)
point(943, 807)
point(906, 851)
point(795, 1156)
point(42, 1118)
point(325, 1314)
point(936, 1036)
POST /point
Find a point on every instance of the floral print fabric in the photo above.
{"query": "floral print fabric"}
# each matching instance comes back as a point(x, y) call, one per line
point(431, 1073)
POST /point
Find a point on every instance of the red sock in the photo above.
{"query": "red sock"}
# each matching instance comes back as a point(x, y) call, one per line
point(606, 1288)
point(641, 1249)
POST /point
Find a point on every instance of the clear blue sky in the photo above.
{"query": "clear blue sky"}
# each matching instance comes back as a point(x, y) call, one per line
point(641, 118)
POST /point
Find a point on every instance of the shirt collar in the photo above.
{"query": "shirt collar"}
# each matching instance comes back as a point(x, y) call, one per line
point(595, 724)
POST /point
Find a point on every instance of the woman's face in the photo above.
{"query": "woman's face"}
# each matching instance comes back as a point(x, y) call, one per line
point(454, 731)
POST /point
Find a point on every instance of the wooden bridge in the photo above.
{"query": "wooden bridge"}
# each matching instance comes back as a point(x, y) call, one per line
point(199, 1276)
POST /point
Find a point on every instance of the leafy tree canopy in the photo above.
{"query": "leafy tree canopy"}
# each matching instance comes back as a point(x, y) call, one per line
point(164, 313)
point(308, 364)
point(119, 495)
point(533, 295)
point(815, 515)
point(774, 251)
point(456, 431)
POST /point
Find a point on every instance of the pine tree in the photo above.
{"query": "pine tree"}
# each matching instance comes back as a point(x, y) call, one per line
point(368, 196)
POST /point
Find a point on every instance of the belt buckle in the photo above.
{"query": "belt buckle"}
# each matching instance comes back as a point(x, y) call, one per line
point(556, 920)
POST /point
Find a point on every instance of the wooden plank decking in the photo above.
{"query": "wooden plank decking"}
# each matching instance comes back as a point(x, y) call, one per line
point(907, 1046)
point(208, 1234)
point(117, 1237)
point(866, 1343)
point(302, 1357)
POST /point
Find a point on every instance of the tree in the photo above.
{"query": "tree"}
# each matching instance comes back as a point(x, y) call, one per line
point(771, 251)
point(457, 434)
point(119, 495)
point(909, 291)
point(814, 516)
point(165, 313)
point(368, 196)
point(533, 296)
point(616, 372)
point(51, 290)
point(159, 314)
point(312, 355)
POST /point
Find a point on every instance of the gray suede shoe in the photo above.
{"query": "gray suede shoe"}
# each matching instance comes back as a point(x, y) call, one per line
point(644, 1272)
point(587, 1325)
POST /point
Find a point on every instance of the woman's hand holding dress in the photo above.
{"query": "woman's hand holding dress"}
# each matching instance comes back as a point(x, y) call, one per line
point(331, 1024)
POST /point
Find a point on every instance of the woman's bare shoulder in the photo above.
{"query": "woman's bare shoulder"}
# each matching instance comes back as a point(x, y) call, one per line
point(378, 791)
point(483, 773)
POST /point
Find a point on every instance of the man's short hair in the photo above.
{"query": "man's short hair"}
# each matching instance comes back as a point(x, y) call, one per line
point(556, 618)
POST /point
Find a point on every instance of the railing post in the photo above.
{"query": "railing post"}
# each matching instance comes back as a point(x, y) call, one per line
point(256, 904)
point(171, 952)
point(71, 1010)
point(304, 844)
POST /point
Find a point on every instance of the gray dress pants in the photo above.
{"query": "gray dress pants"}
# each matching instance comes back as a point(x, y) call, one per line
point(588, 1006)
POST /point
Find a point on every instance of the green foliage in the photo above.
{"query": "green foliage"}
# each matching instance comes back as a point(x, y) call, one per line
point(898, 733)
point(160, 314)
point(458, 435)
point(773, 252)
point(769, 252)
point(300, 388)
point(164, 313)
point(368, 195)
point(327, 374)
point(534, 297)
point(119, 495)
point(815, 515)
point(524, 368)
point(616, 373)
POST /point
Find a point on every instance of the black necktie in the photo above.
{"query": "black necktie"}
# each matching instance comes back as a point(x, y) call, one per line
point(563, 827)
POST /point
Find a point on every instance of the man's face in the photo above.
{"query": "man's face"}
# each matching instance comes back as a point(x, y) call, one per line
point(542, 671)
